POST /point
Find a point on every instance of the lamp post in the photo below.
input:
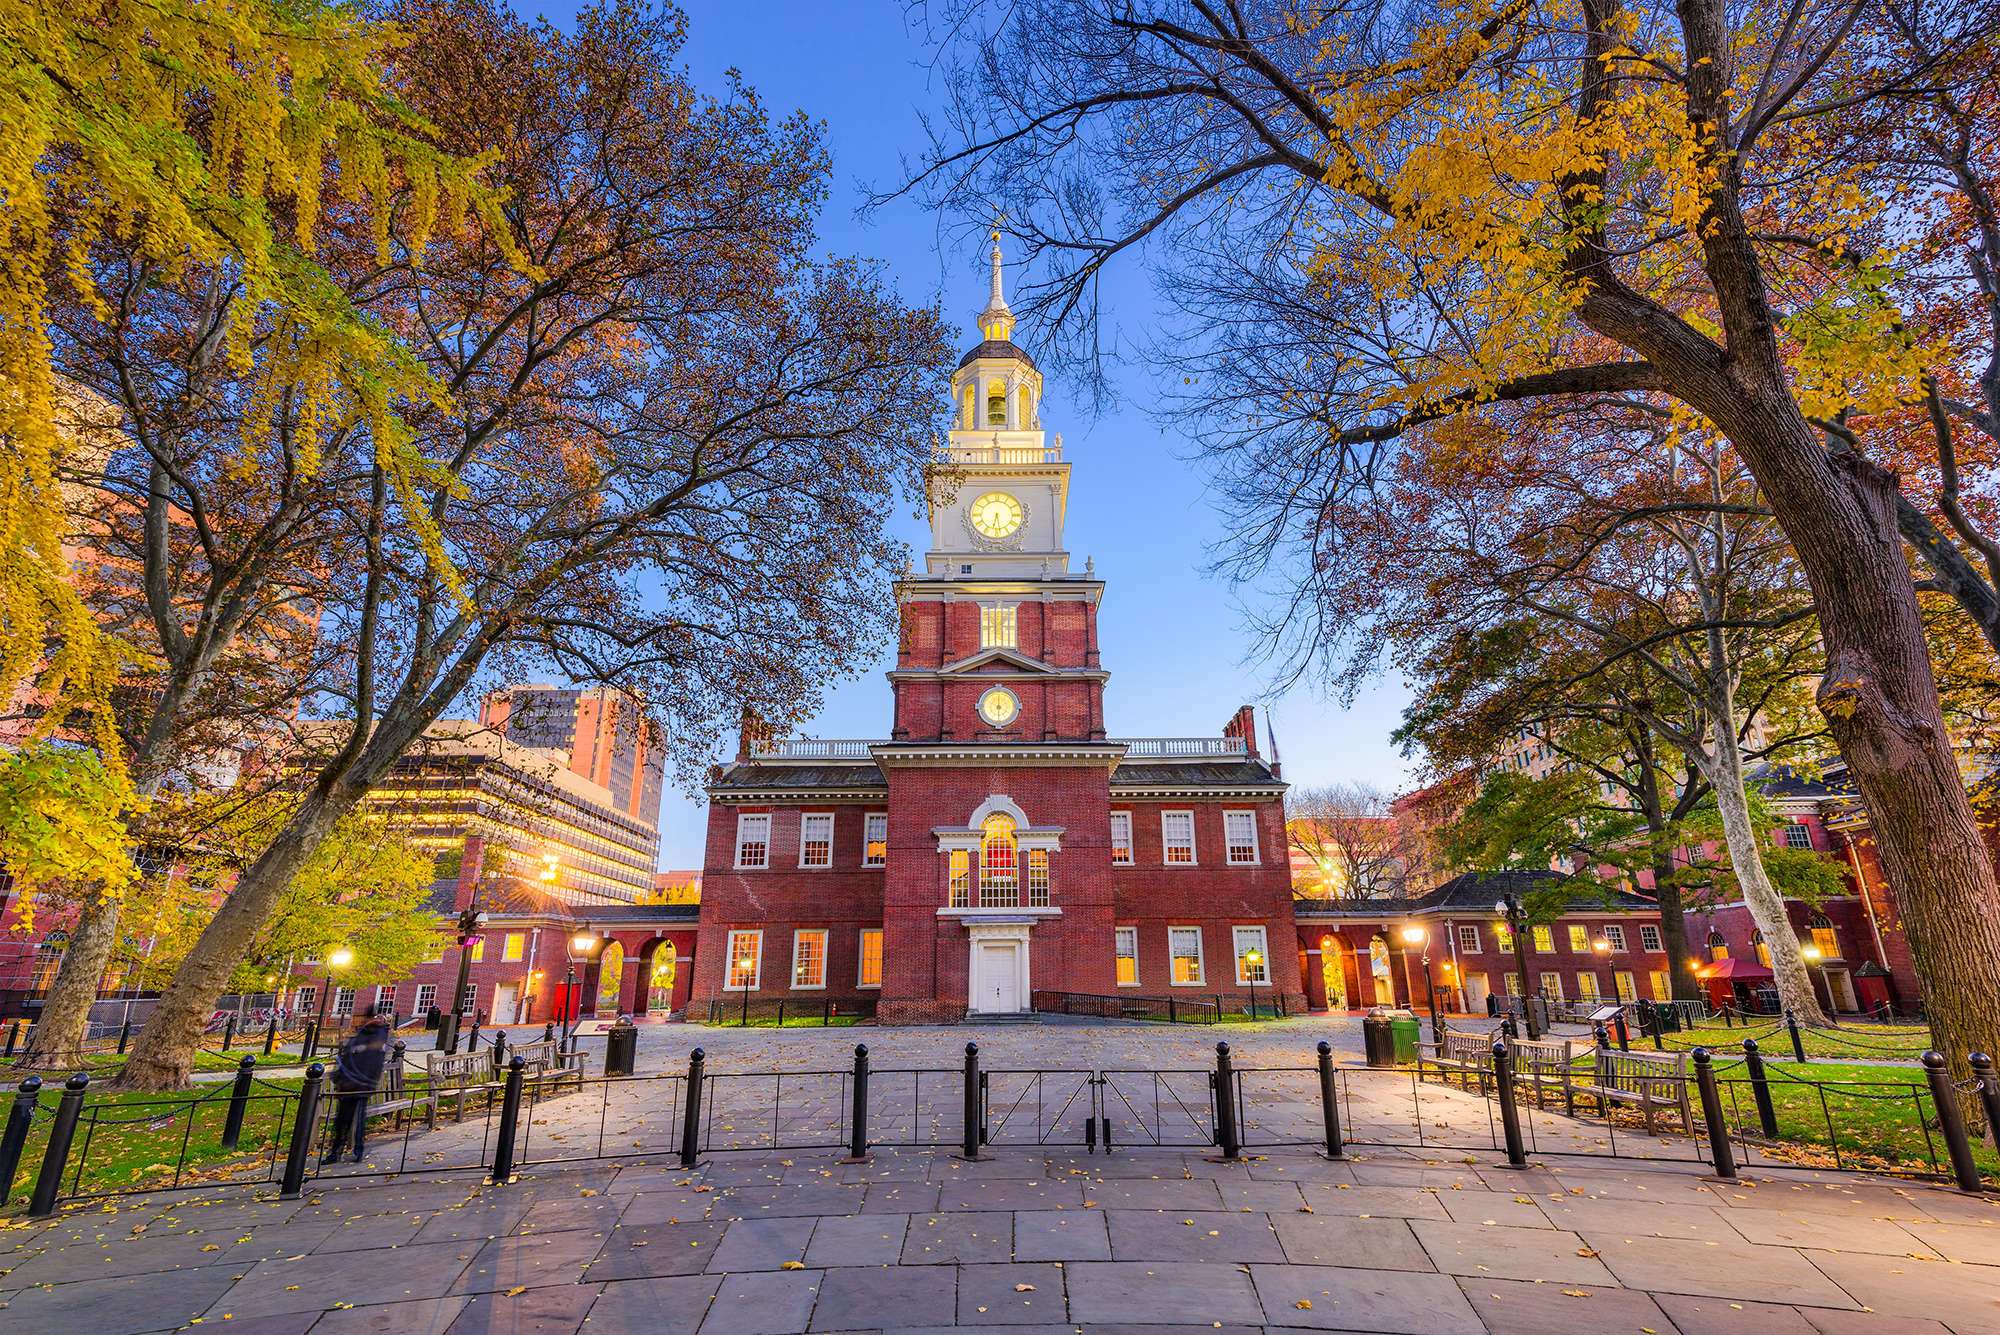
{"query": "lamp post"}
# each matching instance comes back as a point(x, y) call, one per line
point(581, 943)
point(1255, 959)
point(336, 959)
point(1415, 934)
point(470, 923)
point(1512, 913)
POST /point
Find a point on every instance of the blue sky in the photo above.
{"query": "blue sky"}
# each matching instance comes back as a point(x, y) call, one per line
point(1171, 638)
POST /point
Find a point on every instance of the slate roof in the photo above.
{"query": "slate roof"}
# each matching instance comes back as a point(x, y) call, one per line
point(1481, 890)
point(996, 347)
point(861, 777)
point(1226, 773)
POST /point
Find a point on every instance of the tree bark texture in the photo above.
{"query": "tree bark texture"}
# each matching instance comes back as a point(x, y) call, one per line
point(1674, 936)
point(59, 1033)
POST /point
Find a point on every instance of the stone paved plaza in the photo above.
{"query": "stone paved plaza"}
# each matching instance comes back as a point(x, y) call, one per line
point(1050, 1241)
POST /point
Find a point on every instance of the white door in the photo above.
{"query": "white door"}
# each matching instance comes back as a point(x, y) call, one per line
point(506, 1002)
point(997, 992)
point(1475, 993)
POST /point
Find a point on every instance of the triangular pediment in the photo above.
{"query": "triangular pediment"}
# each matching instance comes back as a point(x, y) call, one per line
point(1002, 660)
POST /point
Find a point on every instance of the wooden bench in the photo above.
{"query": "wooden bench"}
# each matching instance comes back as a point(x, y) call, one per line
point(392, 1096)
point(1650, 1080)
point(457, 1076)
point(545, 1066)
point(1544, 1065)
point(1468, 1054)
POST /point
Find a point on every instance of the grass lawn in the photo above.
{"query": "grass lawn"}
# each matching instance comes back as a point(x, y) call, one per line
point(1860, 1042)
point(791, 1022)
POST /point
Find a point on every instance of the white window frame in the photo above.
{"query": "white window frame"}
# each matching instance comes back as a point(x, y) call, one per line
point(1552, 986)
point(799, 936)
point(1261, 943)
point(745, 823)
point(1229, 844)
point(1173, 958)
point(1167, 846)
point(1468, 938)
point(343, 1001)
point(1513, 978)
point(427, 995)
point(861, 956)
point(756, 965)
point(1579, 938)
point(809, 820)
point(385, 996)
point(1121, 819)
point(1535, 931)
point(1663, 985)
point(1125, 945)
point(468, 1001)
point(1798, 834)
point(1649, 937)
point(999, 626)
point(873, 822)
point(513, 946)
point(1591, 993)
point(1615, 934)
point(1619, 989)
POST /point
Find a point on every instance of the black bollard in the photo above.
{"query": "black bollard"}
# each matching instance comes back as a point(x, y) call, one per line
point(228, 1032)
point(1952, 1122)
point(1510, 1113)
point(1329, 1104)
point(1989, 1090)
point(20, 1120)
point(1225, 1105)
point(974, 1123)
point(271, 1036)
point(1798, 1043)
point(311, 1044)
point(239, 1101)
point(549, 1032)
point(857, 1122)
point(691, 1116)
point(1767, 1116)
point(510, 1123)
point(1711, 1113)
point(299, 1152)
point(473, 1046)
point(499, 1051)
point(124, 1035)
point(55, 1158)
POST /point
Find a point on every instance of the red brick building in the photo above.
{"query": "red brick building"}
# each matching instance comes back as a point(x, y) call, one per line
point(997, 842)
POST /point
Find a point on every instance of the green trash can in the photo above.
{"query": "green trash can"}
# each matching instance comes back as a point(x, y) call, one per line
point(1404, 1025)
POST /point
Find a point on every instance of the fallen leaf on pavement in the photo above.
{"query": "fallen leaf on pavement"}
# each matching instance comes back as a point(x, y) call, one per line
point(1024, 1288)
point(1303, 1303)
point(793, 1265)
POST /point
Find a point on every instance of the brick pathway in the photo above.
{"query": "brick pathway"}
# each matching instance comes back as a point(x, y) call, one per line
point(1048, 1242)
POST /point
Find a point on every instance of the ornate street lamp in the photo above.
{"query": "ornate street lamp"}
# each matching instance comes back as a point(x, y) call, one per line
point(1255, 959)
point(1416, 934)
point(336, 959)
point(581, 943)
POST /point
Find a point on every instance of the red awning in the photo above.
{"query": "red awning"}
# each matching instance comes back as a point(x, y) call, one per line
point(1748, 971)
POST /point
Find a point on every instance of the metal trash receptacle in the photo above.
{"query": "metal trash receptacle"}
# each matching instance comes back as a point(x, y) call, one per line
point(621, 1047)
point(1403, 1025)
point(1378, 1036)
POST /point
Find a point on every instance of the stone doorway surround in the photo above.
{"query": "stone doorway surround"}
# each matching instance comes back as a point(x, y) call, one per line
point(983, 930)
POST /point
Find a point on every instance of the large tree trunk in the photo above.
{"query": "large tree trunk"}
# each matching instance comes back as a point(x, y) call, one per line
point(57, 1044)
point(1766, 905)
point(1674, 934)
point(163, 1057)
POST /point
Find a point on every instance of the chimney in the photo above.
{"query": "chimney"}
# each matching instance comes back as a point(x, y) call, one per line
point(1244, 724)
point(754, 729)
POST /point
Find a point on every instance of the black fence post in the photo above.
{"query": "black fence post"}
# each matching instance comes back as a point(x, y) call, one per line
point(1711, 1113)
point(20, 1120)
point(311, 1045)
point(1329, 1104)
point(691, 1117)
point(510, 1123)
point(271, 1037)
point(299, 1152)
point(1952, 1122)
point(228, 1032)
point(549, 1032)
point(969, 1149)
point(55, 1158)
point(1767, 1116)
point(1798, 1042)
point(239, 1100)
point(1225, 1105)
point(13, 1037)
point(1172, 1018)
point(1989, 1090)
point(857, 1121)
point(124, 1035)
point(1510, 1114)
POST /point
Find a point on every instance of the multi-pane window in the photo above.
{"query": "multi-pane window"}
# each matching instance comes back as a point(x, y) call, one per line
point(1797, 835)
point(343, 1001)
point(871, 957)
point(1468, 939)
point(1552, 986)
point(876, 852)
point(1579, 938)
point(1239, 831)
point(1125, 940)
point(1663, 986)
point(1185, 943)
point(1177, 835)
point(385, 998)
point(1824, 938)
point(515, 945)
point(809, 959)
point(746, 955)
point(816, 839)
point(1717, 947)
point(468, 1000)
point(305, 1000)
point(478, 949)
point(1513, 984)
point(427, 995)
point(1615, 935)
point(997, 628)
point(961, 878)
point(753, 841)
point(1627, 991)
point(1758, 944)
point(1649, 936)
point(1253, 961)
point(999, 872)
point(1038, 878)
point(1545, 939)
point(1586, 987)
point(1121, 838)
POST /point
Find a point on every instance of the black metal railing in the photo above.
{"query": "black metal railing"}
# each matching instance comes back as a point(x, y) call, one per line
point(782, 1011)
point(1173, 1010)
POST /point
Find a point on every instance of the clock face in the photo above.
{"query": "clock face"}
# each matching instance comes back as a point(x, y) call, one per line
point(997, 708)
point(996, 514)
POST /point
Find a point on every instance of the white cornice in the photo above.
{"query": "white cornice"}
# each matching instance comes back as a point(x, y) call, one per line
point(1263, 792)
point(957, 755)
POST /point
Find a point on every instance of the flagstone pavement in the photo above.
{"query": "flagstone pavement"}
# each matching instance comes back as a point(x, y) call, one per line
point(1046, 1242)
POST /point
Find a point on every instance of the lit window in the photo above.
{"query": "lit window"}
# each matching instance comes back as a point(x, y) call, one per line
point(1038, 878)
point(1186, 945)
point(816, 839)
point(1177, 836)
point(1616, 936)
point(1762, 948)
point(1126, 942)
point(1121, 838)
point(1586, 987)
point(871, 957)
point(1823, 937)
point(999, 875)
point(1468, 939)
point(1253, 961)
point(478, 949)
point(877, 853)
point(753, 841)
point(997, 629)
point(809, 959)
point(1239, 830)
point(48, 959)
point(1717, 947)
point(1579, 939)
point(1545, 939)
point(513, 949)
point(1513, 984)
point(996, 403)
point(1649, 936)
point(1627, 991)
point(1663, 985)
point(961, 879)
point(746, 956)
point(1797, 835)
point(1552, 986)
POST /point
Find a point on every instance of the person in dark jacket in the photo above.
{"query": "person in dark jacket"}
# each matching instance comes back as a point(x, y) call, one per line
point(357, 1070)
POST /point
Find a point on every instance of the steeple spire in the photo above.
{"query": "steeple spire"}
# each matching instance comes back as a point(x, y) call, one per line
point(996, 321)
